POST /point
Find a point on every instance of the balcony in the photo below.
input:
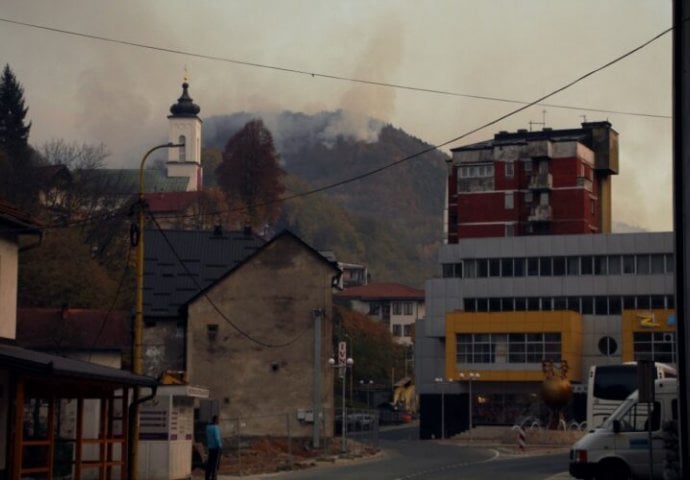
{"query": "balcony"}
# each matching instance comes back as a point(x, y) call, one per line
point(540, 213)
point(584, 182)
point(541, 181)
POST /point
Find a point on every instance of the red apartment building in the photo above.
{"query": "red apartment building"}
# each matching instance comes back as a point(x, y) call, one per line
point(533, 183)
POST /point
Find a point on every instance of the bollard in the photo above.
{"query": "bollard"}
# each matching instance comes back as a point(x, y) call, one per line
point(521, 439)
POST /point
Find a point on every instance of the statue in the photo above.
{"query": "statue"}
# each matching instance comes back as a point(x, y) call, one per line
point(556, 391)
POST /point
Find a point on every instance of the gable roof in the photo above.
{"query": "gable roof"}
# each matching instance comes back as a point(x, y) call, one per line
point(382, 291)
point(54, 329)
point(280, 237)
point(207, 255)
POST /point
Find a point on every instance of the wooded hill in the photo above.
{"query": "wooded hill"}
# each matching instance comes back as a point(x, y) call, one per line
point(391, 221)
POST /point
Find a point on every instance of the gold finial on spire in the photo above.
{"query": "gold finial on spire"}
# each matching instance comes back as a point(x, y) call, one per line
point(186, 74)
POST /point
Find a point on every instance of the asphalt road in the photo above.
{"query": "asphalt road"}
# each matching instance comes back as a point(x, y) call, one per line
point(404, 457)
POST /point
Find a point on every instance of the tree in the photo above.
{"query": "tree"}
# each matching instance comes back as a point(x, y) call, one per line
point(14, 134)
point(62, 270)
point(251, 175)
point(18, 185)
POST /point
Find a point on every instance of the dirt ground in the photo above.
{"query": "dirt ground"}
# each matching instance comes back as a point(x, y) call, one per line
point(268, 455)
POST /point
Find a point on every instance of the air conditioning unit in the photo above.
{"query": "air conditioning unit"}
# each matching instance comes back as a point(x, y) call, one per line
point(668, 338)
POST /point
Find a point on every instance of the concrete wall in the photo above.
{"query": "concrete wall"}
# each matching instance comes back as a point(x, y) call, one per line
point(260, 364)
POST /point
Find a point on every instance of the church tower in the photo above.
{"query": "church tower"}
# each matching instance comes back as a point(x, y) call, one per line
point(185, 127)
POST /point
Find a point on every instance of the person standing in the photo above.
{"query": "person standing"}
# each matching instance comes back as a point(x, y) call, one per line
point(214, 444)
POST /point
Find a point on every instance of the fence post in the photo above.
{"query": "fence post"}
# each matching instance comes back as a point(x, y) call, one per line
point(289, 440)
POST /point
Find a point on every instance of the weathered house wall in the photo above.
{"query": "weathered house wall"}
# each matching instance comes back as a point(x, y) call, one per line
point(260, 361)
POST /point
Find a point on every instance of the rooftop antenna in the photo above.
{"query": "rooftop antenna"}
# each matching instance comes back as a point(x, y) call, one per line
point(542, 123)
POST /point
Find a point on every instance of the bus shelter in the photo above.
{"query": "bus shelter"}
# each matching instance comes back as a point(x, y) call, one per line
point(65, 418)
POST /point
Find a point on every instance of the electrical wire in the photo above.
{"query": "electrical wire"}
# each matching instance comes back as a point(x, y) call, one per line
point(212, 303)
point(314, 74)
point(113, 303)
point(447, 142)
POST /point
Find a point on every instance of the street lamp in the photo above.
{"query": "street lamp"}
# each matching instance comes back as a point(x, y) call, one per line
point(342, 365)
point(368, 388)
point(470, 376)
point(443, 383)
point(137, 362)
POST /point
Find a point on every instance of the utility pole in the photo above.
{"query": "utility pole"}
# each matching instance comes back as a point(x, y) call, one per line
point(681, 203)
point(137, 362)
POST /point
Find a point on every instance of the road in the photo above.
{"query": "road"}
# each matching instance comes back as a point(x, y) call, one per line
point(404, 457)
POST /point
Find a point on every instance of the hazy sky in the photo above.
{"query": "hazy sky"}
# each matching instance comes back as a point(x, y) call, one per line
point(86, 90)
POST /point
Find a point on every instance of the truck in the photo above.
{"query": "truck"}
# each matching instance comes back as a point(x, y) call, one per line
point(629, 444)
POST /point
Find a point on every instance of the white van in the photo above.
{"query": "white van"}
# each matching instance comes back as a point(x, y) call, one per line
point(619, 449)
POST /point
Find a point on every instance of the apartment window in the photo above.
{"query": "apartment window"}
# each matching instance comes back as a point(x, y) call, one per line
point(470, 268)
point(670, 267)
point(657, 264)
point(615, 265)
point(408, 329)
point(643, 302)
point(451, 270)
point(560, 303)
point(591, 206)
point(573, 265)
point(643, 265)
point(629, 302)
point(628, 264)
point(532, 266)
point(507, 304)
point(615, 305)
point(559, 266)
point(586, 265)
point(587, 306)
point(508, 200)
point(529, 197)
point(601, 305)
point(656, 346)
point(600, 264)
point(494, 267)
point(657, 301)
point(408, 308)
point(519, 270)
point(397, 308)
point(545, 266)
point(512, 347)
point(509, 169)
point(528, 166)
point(533, 304)
point(574, 304)
point(397, 330)
point(470, 304)
point(507, 267)
point(520, 304)
point(482, 268)
point(494, 304)
point(510, 230)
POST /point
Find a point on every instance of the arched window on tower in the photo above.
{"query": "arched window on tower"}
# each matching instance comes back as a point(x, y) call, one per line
point(183, 150)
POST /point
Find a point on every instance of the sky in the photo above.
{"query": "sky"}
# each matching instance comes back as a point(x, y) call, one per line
point(87, 90)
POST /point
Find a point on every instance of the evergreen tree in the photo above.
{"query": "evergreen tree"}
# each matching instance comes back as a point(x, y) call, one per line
point(18, 183)
point(250, 174)
point(14, 133)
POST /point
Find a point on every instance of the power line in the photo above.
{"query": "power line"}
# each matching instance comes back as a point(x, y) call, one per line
point(211, 302)
point(452, 140)
point(314, 74)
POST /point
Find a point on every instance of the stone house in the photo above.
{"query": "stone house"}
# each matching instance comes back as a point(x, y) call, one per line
point(245, 330)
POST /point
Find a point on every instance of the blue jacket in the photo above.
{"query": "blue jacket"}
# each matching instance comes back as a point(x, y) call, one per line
point(213, 439)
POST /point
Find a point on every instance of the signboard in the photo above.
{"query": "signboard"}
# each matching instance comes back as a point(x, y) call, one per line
point(342, 354)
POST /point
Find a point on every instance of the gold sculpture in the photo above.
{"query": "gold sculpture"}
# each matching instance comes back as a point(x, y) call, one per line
point(556, 390)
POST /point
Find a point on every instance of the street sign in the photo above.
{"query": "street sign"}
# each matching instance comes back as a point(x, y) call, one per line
point(342, 354)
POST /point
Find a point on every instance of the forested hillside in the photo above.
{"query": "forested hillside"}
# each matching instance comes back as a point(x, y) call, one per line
point(390, 220)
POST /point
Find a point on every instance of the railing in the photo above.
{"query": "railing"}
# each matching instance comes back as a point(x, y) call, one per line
point(541, 181)
point(540, 213)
